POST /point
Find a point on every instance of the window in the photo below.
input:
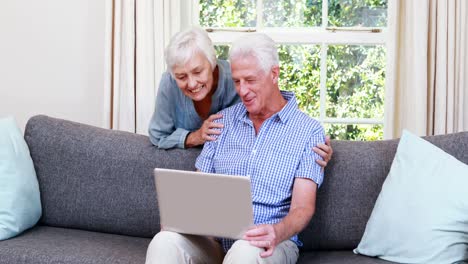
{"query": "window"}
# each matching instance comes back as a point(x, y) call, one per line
point(332, 54)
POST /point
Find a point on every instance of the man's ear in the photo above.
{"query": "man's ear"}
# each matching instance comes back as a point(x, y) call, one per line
point(275, 73)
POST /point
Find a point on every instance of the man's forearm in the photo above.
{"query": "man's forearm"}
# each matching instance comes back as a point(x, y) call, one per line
point(296, 220)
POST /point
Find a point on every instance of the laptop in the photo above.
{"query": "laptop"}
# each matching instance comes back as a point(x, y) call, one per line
point(206, 204)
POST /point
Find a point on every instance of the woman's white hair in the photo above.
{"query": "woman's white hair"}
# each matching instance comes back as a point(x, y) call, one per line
point(258, 45)
point(187, 43)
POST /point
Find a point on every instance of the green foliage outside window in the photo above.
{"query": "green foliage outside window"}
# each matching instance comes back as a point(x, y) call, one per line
point(355, 73)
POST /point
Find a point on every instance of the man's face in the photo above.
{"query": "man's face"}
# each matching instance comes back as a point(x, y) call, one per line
point(253, 85)
point(195, 78)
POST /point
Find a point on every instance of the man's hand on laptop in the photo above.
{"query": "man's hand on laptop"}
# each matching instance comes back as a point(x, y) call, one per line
point(263, 236)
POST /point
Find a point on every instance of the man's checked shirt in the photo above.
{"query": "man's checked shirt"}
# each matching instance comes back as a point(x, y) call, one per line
point(280, 152)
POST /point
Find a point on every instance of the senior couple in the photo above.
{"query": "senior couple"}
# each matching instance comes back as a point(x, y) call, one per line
point(247, 126)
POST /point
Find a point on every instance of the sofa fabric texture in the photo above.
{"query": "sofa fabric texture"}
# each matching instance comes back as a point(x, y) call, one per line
point(97, 179)
point(97, 187)
point(43, 244)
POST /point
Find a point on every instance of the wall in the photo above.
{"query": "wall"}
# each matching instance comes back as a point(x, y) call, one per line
point(52, 60)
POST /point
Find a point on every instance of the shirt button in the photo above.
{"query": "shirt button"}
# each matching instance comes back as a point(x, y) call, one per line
point(254, 151)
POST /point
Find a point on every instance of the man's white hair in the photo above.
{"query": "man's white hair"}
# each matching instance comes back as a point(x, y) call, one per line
point(258, 45)
point(185, 44)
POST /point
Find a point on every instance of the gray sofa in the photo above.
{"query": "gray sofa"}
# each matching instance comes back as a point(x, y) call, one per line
point(99, 201)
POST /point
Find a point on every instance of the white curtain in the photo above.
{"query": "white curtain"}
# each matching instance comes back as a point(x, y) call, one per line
point(123, 66)
point(145, 63)
point(427, 85)
point(141, 29)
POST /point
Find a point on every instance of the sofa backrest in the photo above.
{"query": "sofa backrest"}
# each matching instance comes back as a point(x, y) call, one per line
point(353, 181)
point(98, 179)
point(102, 180)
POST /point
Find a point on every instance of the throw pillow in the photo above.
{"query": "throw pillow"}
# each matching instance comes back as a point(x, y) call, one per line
point(421, 214)
point(20, 206)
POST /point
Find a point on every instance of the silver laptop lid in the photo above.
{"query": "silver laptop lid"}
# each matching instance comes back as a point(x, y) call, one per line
point(203, 203)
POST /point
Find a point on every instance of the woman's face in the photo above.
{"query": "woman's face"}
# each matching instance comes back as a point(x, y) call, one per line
point(195, 78)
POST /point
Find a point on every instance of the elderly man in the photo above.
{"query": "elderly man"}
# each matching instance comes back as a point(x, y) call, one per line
point(266, 138)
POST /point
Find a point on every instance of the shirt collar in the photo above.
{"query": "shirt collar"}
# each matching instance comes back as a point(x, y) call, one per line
point(289, 108)
point(283, 115)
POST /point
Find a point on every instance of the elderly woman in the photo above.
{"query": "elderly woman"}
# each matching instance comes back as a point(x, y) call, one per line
point(195, 88)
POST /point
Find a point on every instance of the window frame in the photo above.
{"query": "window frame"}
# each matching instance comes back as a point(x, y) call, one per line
point(322, 35)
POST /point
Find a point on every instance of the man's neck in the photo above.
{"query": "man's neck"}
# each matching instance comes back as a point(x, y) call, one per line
point(277, 103)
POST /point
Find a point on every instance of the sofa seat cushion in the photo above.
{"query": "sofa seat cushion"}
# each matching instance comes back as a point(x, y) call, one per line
point(340, 256)
point(44, 244)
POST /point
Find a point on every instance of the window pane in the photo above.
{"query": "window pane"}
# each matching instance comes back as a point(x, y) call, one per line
point(364, 132)
point(292, 13)
point(222, 51)
point(355, 81)
point(353, 13)
point(300, 73)
point(228, 13)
